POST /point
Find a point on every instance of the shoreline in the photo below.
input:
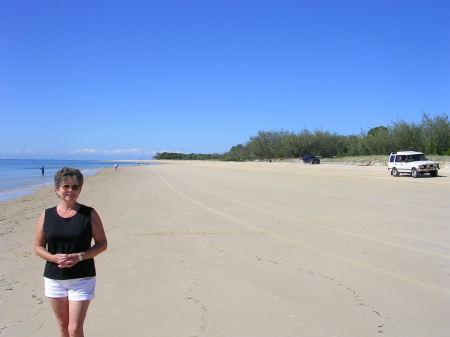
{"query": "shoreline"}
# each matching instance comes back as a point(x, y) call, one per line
point(240, 249)
point(28, 189)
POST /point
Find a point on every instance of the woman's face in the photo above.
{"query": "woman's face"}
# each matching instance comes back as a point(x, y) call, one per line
point(69, 190)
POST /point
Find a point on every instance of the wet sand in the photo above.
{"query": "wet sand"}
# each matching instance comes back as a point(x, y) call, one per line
point(247, 249)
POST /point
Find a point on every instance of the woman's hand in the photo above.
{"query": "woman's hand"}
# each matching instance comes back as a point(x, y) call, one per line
point(66, 260)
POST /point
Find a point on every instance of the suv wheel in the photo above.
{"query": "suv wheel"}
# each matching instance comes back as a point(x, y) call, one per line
point(414, 173)
point(394, 172)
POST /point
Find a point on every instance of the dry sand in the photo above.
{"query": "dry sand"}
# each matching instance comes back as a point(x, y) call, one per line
point(247, 249)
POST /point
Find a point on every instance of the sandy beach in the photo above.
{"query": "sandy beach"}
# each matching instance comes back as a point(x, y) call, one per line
point(225, 249)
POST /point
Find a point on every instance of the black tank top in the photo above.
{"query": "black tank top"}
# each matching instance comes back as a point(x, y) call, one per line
point(68, 236)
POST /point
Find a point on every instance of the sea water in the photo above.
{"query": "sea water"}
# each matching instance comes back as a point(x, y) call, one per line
point(19, 177)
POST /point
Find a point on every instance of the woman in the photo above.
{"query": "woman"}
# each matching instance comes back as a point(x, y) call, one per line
point(63, 238)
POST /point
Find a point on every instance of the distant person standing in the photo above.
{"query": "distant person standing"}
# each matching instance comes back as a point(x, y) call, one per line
point(116, 167)
point(42, 169)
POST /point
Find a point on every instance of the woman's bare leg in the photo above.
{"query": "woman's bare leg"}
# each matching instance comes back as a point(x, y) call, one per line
point(77, 315)
point(70, 316)
point(60, 307)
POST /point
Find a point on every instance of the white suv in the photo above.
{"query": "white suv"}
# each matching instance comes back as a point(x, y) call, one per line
point(413, 163)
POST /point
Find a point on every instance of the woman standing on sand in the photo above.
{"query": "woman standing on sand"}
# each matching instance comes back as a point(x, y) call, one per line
point(63, 238)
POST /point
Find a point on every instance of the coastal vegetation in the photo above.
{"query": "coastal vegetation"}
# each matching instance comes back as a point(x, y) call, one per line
point(431, 136)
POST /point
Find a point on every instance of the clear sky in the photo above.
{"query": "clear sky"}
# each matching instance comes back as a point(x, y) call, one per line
point(124, 79)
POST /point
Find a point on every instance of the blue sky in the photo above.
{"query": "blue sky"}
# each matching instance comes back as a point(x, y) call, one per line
point(110, 79)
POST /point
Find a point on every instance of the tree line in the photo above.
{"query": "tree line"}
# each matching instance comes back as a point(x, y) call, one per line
point(431, 136)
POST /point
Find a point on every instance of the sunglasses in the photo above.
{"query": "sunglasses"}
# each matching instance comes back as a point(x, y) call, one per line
point(72, 187)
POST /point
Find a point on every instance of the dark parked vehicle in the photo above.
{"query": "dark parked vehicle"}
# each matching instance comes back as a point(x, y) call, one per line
point(310, 159)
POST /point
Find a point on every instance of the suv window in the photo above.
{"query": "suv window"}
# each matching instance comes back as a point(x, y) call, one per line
point(417, 157)
point(407, 158)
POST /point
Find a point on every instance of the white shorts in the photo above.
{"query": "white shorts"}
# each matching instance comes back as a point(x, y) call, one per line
point(79, 289)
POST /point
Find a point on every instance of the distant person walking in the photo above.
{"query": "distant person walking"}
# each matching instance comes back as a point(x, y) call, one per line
point(42, 169)
point(63, 238)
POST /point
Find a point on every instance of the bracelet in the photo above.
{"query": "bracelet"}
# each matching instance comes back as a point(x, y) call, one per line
point(80, 256)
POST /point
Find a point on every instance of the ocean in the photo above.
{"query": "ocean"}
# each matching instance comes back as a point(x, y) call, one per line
point(20, 177)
